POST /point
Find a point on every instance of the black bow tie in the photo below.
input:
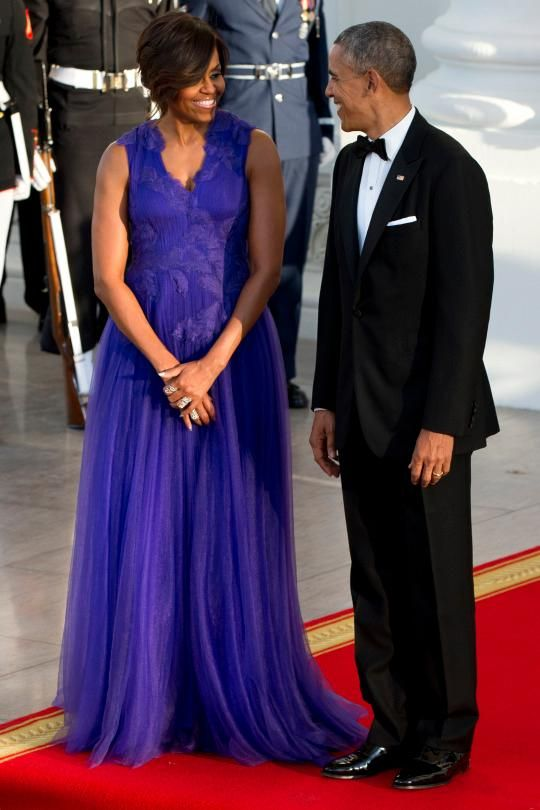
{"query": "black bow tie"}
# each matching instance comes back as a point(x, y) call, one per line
point(364, 147)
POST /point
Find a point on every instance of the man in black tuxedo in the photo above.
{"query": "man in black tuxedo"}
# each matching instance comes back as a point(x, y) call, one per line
point(401, 400)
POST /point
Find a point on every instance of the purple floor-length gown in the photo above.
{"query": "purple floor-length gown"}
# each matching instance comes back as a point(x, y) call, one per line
point(183, 630)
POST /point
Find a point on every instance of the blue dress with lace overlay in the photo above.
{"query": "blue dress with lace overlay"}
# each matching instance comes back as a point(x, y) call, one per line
point(183, 630)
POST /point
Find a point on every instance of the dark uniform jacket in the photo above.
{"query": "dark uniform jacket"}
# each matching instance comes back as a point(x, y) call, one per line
point(402, 325)
point(92, 35)
point(17, 74)
point(289, 109)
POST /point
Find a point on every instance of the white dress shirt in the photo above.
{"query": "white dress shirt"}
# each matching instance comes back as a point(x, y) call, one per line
point(374, 174)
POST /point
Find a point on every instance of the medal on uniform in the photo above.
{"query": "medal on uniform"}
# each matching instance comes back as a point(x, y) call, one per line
point(307, 16)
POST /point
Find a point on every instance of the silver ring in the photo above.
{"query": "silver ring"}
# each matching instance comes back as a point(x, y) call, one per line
point(437, 475)
point(194, 415)
point(182, 403)
point(170, 389)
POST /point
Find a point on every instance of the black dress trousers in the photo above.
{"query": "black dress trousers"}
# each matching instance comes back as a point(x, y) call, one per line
point(412, 589)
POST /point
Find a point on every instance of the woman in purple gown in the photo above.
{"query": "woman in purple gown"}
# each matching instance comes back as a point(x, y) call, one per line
point(183, 630)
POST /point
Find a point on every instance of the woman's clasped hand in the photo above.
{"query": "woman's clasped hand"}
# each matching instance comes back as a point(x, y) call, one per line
point(186, 387)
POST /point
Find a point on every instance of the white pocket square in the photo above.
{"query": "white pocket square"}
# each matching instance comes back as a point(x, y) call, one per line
point(403, 221)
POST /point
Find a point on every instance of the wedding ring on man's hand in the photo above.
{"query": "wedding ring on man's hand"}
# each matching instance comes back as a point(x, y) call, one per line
point(170, 389)
point(181, 404)
point(194, 416)
point(437, 475)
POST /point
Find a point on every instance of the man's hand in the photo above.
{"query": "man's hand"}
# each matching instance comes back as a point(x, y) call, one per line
point(432, 458)
point(322, 442)
point(40, 175)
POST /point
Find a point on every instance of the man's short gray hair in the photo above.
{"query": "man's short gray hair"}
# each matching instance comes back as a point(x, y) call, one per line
point(382, 47)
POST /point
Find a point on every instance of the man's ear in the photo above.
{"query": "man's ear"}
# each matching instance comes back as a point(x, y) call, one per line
point(373, 80)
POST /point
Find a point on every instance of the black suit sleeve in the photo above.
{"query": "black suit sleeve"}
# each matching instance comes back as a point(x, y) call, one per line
point(317, 74)
point(325, 383)
point(19, 76)
point(461, 238)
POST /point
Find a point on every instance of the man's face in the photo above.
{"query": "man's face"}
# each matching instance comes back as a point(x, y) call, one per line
point(349, 91)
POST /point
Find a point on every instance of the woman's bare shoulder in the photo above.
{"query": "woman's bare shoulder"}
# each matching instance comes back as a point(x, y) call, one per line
point(113, 166)
point(262, 152)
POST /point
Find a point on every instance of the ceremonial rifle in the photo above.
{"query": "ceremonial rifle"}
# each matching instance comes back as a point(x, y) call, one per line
point(76, 378)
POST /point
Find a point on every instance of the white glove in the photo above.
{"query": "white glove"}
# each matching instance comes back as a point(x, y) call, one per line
point(328, 152)
point(21, 190)
point(40, 176)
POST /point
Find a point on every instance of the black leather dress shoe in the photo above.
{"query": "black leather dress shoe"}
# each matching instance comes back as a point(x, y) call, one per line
point(431, 768)
point(297, 398)
point(366, 761)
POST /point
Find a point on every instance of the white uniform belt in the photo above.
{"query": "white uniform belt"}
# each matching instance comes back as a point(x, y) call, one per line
point(95, 79)
point(277, 71)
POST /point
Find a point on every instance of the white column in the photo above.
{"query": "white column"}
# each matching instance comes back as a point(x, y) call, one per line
point(486, 93)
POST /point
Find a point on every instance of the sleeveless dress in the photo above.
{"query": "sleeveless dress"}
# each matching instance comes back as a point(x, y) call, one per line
point(183, 630)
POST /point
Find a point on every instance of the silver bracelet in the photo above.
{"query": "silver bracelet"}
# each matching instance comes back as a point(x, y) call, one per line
point(165, 371)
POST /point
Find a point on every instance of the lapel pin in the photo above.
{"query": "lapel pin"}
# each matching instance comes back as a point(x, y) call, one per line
point(400, 177)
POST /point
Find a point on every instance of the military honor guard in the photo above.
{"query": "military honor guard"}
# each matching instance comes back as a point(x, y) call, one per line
point(95, 93)
point(18, 99)
point(276, 80)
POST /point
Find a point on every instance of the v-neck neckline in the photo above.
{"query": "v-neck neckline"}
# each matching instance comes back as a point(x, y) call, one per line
point(197, 176)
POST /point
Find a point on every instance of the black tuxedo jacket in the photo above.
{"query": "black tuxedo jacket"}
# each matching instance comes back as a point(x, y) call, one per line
point(402, 325)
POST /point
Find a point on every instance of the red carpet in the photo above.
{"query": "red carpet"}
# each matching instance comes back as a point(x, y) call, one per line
point(505, 764)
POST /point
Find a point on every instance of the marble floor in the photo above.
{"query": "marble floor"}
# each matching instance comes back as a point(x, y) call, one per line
point(39, 463)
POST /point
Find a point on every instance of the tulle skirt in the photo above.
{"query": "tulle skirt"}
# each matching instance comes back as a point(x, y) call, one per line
point(183, 630)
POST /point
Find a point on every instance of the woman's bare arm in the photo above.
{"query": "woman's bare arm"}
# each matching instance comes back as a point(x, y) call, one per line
point(110, 251)
point(265, 242)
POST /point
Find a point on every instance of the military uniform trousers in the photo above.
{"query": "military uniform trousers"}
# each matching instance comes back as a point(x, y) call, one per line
point(300, 179)
point(32, 254)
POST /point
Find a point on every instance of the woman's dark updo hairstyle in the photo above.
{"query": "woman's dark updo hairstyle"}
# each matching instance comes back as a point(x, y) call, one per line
point(173, 52)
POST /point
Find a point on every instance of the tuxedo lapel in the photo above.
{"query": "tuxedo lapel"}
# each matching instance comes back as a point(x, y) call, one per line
point(396, 184)
point(348, 215)
point(401, 174)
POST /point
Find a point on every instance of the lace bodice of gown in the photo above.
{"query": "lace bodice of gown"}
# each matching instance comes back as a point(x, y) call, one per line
point(191, 245)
